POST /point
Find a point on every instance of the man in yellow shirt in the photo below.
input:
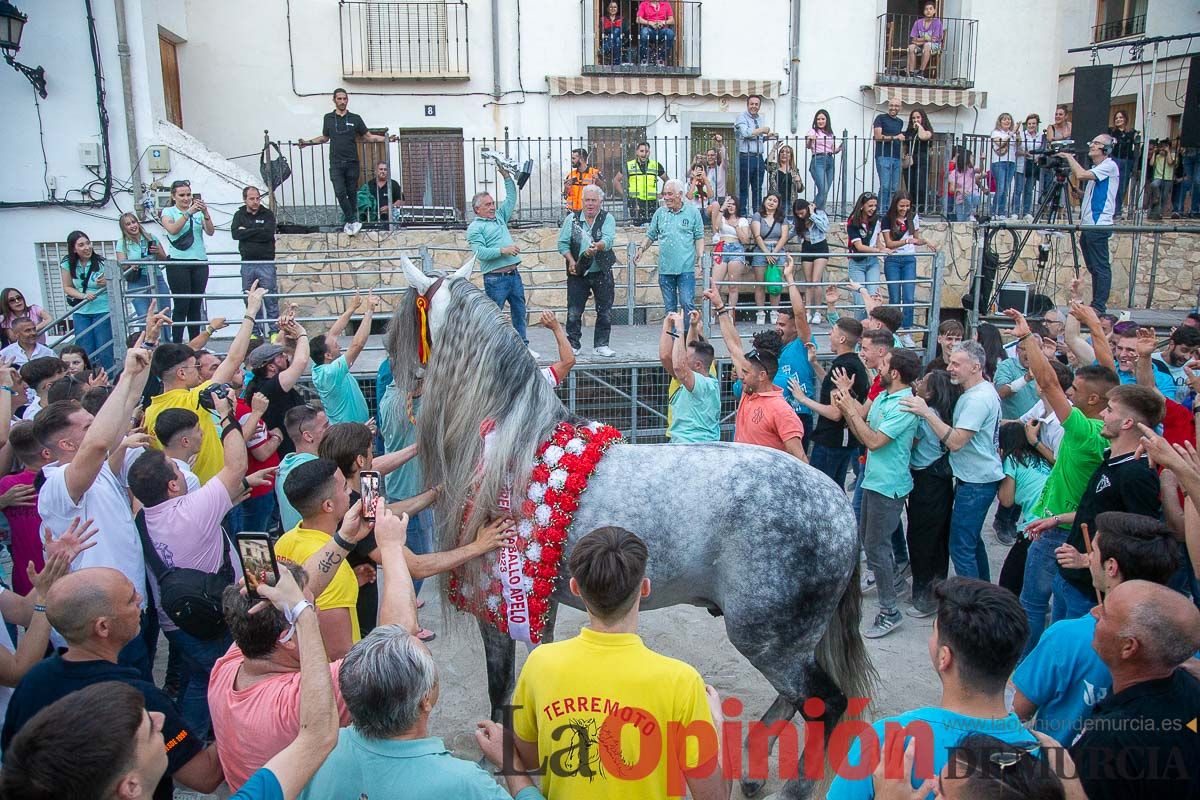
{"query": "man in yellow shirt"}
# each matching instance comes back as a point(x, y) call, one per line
point(178, 367)
point(607, 687)
point(318, 490)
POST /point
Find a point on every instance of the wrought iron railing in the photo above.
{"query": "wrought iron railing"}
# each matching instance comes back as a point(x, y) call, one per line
point(951, 63)
point(626, 47)
point(397, 40)
point(1119, 28)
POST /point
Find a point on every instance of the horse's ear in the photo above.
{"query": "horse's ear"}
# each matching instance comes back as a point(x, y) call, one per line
point(465, 270)
point(415, 277)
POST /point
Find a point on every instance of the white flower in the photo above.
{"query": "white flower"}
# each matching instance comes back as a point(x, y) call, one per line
point(493, 602)
point(542, 515)
point(594, 426)
point(526, 584)
point(575, 446)
point(534, 552)
point(536, 492)
point(552, 455)
point(525, 529)
point(558, 479)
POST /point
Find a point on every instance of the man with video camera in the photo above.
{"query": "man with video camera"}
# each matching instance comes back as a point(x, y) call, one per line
point(1099, 202)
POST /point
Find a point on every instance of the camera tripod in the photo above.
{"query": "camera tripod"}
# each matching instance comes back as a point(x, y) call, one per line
point(1052, 205)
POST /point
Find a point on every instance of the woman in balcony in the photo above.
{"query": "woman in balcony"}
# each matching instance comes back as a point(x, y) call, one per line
point(1004, 160)
point(612, 34)
point(1061, 129)
point(656, 27)
point(916, 158)
point(770, 229)
point(925, 39)
point(1031, 139)
point(84, 284)
point(811, 225)
point(135, 244)
point(783, 178)
point(963, 186)
point(1126, 151)
point(823, 145)
point(187, 275)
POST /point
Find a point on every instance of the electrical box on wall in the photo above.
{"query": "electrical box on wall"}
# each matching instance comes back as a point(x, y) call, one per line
point(158, 158)
point(89, 154)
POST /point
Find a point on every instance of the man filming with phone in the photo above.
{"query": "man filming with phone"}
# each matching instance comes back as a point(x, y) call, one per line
point(1099, 202)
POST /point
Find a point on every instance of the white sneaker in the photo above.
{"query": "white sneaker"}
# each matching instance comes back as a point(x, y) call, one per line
point(774, 317)
point(576, 350)
point(907, 341)
point(533, 352)
point(815, 318)
point(1028, 218)
point(348, 229)
point(760, 318)
point(605, 352)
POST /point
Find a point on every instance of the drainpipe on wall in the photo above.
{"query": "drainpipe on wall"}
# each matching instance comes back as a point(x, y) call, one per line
point(127, 91)
point(794, 66)
point(496, 49)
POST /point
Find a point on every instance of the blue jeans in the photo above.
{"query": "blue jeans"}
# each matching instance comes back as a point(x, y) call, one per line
point(140, 295)
point(98, 340)
point(678, 291)
point(1069, 602)
point(965, 208)
point(1023, 194)
point(1094, 245)
point(896, 269)
point(833, 461)
point(265, 273)
point(664, 37)
point(610, 45)
point(864, 270)
point(198, 659)
point(1125, 165)
point(257, 512)
point(1191, 183)
point(967, 551)
point(888, 168)
point(1002, 171)
point(508, 287)
point(1040, 569)
point(420, 539)
point(821, 168)
point(750, 177)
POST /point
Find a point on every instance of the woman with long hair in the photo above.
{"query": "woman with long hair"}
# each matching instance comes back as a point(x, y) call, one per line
point(1004, 160)
point(1027, 465)
point(732, 236)
point(963, 186)
point(770, 230)
point(1029, 140)
point(76, 359)
point(1127, 153)
point(932, 497)
point(916, 157)
point(82, 271)
point(822, 143)
point(135, 244)
point(783, 177)
point(811, 225)
point(188, 278)
point(988, 336)
point(901, 232)
point(862, 239)
point(13, 307)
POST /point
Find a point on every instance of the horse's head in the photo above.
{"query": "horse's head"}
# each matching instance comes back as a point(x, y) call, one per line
point(432, 304)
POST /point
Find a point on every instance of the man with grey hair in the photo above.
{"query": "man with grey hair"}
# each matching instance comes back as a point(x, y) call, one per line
point(679, 231)
point(586, 242)
point(974, 458)
point(499, 257)
point(1099, 202)
point(1144, 634)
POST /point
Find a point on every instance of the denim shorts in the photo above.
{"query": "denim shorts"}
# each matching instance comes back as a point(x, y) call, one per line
point(733, 251)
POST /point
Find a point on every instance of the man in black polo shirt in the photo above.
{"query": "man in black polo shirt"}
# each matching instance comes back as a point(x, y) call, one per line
point(1137, 744)
point(833, 446)
point(1122, 482)
point(342, 130)
point(97, 610)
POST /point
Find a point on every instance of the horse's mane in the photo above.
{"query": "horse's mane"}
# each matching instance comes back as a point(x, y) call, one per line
point(479, 370)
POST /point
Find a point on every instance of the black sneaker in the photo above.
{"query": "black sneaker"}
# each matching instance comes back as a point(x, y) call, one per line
point(884, 624)
point(1006, 537)
point(922, 608)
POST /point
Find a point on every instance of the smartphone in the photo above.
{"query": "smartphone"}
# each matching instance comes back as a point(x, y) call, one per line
point(368, 487)
point(198, 196)
point(258, 560)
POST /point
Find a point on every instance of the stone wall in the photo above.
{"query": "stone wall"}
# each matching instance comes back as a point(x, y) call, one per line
point(1175, 280)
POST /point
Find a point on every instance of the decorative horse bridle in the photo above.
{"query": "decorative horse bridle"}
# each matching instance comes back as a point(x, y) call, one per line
point(424, 303)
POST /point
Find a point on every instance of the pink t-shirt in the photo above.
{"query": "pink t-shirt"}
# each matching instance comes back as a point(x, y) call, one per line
point(823, 143)
point(647, 12)
point(767, 419)
point(186, 532)
point(252, 725)
point(25, 524)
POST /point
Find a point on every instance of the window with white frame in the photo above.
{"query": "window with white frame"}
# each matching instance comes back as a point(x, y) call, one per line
point(50, 257)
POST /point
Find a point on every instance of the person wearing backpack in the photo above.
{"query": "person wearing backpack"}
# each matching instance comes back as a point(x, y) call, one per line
point(586, 242)
point(188, 554)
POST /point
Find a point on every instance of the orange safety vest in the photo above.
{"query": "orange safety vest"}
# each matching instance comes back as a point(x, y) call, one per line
point(576, 180)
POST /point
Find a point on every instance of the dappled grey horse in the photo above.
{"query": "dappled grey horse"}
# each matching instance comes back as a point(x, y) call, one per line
point(746, 532)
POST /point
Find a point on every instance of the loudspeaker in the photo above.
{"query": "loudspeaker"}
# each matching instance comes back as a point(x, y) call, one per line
point(1090, 104)
point(1189, 130)
point(1014, 295)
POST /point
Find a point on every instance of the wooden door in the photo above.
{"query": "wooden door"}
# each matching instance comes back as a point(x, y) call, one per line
point(170, 76)
point(432, 168)
point(370, 154)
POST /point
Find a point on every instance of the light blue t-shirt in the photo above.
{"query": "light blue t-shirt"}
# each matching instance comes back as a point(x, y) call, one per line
point(399, 432)
point(1178, 377)
point(362, 767)
point(1018, 403)
point(340, 394)
point(696, 415)
point(1163, 381)
point(92, 273)
point(262, 785)
point(937, 726)
point(978, 410)
point(1029, 482)
point(887, 469)
point(288, 515)
point(676, 233)
point(793, 363)
point(1064, 678)
point(926, 448)
point(194, 253)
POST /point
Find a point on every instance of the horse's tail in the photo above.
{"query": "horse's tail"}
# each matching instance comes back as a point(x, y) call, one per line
point(841, 651)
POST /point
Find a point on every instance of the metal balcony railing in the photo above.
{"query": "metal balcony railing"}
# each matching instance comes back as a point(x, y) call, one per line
point(397, 40)
point(625, 47)
point(952, 66)
point(1119, 29)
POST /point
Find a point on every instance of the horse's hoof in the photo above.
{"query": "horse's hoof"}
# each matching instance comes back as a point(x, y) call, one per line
point(752, 788)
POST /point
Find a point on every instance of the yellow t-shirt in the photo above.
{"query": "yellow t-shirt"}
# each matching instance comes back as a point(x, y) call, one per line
point(342, 592)
point(572, 687)
point(211, 458)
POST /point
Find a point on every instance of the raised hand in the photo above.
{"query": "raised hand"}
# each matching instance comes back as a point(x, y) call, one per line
point(1020, 326)
point(789, 269)
point(1086, 315)
point(137, 358)
point(259, 403)
point(390, 530)
point(694, 319)
point(796, 387)
point(1147, 342)
point(832, 295)
point(548, 320)
point(713, 295)
point(98, 377)
point(264, 477)
point(77, 539)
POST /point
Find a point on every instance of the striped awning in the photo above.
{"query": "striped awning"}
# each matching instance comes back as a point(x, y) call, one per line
point(660, 85)
point(927, 96)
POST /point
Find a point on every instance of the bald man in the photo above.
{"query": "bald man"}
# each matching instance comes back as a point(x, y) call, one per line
point(98, 611)
point(1136, 743)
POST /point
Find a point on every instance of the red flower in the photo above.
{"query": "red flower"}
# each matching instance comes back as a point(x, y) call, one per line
point(559, 519)
point(570, 462)
point(547, 572)
point(552, 536)
point(542, 588)
point(576, 483)
point(530, 568)
point(562, 436)
point(528, 508)
point(537, 607)
point(541, 473)
point(553, 497)
point(568, 503)
point(551, 554)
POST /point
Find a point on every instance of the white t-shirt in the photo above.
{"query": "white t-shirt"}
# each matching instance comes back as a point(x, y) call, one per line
point(106, 503)
point(999, 137)
point(909, 248)
point(1051, 432)
point(1100, 195)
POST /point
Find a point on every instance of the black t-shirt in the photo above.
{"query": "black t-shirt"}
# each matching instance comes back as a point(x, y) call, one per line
point(280, 402)
point(1136, 743)
point(343, 132)
point(891, 126)
point(835, 434)
point(862, 230)
point(918, 148)
point(381, 192)
point(1120, 483)
point(54, 678)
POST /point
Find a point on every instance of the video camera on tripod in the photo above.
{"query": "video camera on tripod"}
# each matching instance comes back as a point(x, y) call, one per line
point(1050, 156)
point(519, 171)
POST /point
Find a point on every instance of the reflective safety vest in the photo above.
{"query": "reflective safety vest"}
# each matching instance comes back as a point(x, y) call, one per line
point(642, 181)
point(576, 180)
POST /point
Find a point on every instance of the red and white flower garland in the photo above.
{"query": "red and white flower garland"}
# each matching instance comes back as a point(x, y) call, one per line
point(517, 599)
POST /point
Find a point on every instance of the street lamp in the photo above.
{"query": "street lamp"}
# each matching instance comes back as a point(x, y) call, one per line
point(12, 23)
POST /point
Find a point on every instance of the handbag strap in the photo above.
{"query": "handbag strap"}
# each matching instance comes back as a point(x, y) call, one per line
point(159, 569)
